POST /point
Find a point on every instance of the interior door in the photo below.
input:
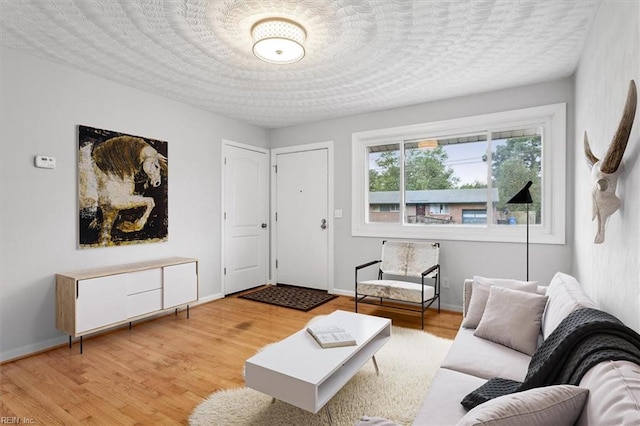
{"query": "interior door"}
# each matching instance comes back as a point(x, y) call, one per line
point(246, 217)
point(302, 218)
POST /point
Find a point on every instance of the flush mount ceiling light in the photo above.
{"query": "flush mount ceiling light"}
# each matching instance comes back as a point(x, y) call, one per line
point(278, 41)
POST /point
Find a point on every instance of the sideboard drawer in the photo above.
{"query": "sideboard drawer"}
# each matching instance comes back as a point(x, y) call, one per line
point(141, 281)
point(143, 303)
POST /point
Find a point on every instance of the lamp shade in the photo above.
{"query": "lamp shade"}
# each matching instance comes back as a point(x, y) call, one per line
point(278, 41)
point(523, 196)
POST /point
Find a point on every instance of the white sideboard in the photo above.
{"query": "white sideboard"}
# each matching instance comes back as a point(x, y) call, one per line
point(93, 300)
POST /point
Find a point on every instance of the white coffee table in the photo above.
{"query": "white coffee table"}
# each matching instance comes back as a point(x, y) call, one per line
point(298, 371)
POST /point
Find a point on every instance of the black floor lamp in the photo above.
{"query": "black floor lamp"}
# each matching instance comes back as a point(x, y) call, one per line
point(524, 197)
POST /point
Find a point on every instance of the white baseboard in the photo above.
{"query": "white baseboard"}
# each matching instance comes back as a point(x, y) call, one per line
point(208, 299)
point(33, 348)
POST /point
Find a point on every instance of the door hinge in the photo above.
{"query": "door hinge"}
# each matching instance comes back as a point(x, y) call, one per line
point(225, 271)
point(225, 215)
point(276, 216)
point(276, 166)
point(276, 263)
point(225, 161)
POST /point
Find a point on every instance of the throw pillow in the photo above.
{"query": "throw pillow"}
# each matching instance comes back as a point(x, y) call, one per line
point(480, 294)
point(551, 405)
point(512, 318)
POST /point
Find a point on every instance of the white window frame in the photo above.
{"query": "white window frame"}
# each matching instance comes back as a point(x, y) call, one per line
point(552, 119)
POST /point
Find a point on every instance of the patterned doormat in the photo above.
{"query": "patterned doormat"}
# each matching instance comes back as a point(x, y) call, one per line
point(300, 298)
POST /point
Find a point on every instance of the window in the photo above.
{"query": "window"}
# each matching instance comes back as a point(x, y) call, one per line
point(451, 179)
point(438, 209)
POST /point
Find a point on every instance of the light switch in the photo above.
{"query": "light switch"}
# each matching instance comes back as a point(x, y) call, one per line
point(337, 214)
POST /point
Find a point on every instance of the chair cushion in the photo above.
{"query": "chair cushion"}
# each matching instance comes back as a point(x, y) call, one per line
point(396, 290)
point(409, 258)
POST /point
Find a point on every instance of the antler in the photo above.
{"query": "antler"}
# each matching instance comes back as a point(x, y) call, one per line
point(591, 159)
point(618, 144)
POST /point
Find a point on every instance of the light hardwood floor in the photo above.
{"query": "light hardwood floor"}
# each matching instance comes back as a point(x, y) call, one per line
point(160, 370)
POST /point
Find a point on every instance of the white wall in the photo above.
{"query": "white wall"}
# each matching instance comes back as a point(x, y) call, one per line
point(459, 259)
point(610, 272)
point(42, 104)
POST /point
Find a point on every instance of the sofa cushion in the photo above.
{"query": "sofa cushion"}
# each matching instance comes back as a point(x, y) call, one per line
point(480, 294)
point(614, 394)
point(512, 318)
point(442, 404)
point(553, 405)
point(565, 296)
point(485, 359)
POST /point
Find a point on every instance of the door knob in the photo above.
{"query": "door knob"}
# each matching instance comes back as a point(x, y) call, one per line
point(264, 225)
point(323, 224)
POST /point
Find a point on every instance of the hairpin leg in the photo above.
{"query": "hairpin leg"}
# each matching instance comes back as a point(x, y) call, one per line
point(326, 409)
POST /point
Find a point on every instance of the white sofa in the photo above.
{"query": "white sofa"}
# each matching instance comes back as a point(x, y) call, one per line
point(613, 396)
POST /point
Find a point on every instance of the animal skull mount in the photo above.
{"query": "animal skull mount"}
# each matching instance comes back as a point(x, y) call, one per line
point(605, 172)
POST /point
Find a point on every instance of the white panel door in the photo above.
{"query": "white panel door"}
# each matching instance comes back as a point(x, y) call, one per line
point(246, 215)
point(101, 301)
point(302, 209)
point(179, 284)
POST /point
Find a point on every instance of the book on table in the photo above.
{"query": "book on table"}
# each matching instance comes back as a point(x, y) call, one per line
point(331, 336)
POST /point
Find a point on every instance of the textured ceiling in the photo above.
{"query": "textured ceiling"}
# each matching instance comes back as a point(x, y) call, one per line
point(362, 55)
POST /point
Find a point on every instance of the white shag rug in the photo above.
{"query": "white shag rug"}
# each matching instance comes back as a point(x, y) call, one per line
point(408, 364)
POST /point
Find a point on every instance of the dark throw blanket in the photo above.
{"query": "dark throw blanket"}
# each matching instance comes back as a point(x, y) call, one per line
point(583, 339)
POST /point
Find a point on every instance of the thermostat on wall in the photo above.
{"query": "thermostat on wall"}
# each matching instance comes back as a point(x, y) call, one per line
point(45, 162)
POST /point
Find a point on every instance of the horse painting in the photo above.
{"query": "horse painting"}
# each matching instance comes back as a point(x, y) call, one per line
point(118, 177)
